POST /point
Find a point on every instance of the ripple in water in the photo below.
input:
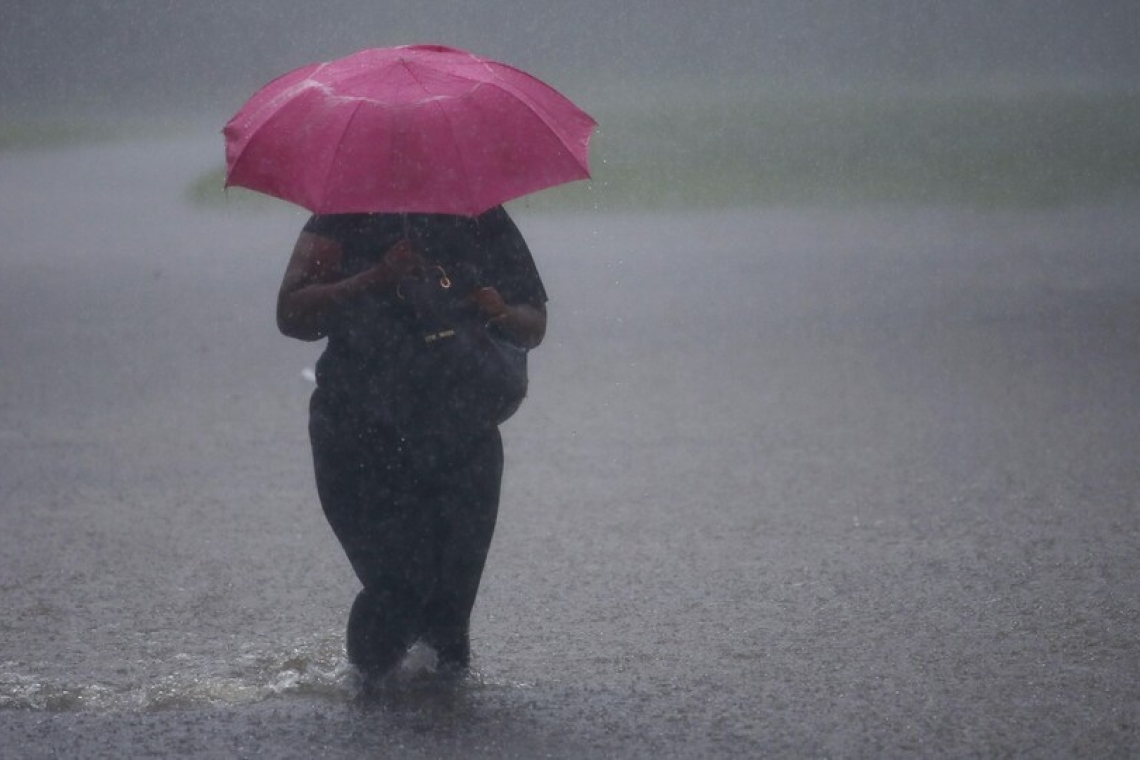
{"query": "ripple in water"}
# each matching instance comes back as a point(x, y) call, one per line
point(320, 671)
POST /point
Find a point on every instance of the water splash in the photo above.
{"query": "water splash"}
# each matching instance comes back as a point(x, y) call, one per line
point(320, 671)
point(19, 692)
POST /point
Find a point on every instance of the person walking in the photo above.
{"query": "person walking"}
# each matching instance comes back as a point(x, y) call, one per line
point(413, 504)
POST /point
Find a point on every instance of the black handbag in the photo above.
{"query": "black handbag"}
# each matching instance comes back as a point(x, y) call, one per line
point(463, 374)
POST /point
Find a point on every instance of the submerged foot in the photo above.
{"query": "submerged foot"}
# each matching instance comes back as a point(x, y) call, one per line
point(376, 639)
point(452, 649)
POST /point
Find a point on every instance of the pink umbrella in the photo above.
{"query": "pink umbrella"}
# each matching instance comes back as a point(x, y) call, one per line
point(407, 129)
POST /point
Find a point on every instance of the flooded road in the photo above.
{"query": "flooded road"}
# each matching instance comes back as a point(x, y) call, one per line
point(836, 483)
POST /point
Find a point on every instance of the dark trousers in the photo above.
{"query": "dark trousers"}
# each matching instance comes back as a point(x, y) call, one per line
point(415, 520)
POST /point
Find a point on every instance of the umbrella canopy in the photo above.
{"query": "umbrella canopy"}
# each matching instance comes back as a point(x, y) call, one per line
point(416, 128)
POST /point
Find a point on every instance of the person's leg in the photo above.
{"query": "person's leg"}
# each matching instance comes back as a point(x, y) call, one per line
point(384, 533)
point(382, 624)
point(465, 507)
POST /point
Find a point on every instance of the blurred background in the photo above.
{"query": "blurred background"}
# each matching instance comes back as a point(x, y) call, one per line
point(143, 53)
point(1007, 102)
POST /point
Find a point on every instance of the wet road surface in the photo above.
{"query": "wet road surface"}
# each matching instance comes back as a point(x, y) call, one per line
point(833, 483)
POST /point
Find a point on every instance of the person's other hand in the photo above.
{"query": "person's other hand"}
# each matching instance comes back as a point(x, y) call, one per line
point(402, 259)
point(398, 262)
point(490, 302)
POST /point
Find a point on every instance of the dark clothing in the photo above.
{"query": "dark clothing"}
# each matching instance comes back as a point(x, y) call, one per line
point(414, 509)
point(367, 335)
point(416, 534)
point(362, 365)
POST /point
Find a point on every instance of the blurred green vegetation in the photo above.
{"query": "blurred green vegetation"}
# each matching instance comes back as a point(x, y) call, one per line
point(988, 151)
point(208, 190)
point(709, 150)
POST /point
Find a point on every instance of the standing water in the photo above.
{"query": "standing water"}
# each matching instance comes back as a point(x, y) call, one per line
point(788, 482)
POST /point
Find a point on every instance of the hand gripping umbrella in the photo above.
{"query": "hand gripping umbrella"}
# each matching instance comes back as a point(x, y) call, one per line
point(407, 129)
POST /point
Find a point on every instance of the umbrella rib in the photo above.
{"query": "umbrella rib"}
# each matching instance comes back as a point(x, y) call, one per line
point(458, 157)
point(540, 112)
point(273, 104)
point(451, 127)
point(356, 106)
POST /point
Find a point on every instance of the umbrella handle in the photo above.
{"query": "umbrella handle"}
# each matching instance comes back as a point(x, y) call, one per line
point(444, 281)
